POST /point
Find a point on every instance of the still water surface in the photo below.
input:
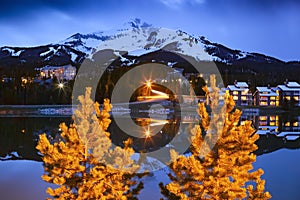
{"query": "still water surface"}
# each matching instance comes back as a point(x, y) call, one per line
point(20, 166)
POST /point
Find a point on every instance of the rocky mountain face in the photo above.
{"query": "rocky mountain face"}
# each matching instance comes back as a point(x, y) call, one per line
point(254, 68)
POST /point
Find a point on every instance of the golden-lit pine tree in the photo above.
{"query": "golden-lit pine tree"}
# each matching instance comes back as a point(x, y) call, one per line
point(84, 164)
point(220, 166)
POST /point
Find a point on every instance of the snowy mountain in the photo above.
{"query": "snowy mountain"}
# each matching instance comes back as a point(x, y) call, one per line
point(151, 41)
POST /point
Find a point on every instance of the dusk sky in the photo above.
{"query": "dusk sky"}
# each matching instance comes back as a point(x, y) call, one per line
point(271, 27)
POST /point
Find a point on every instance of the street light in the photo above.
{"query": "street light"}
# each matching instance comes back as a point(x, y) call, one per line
point(24, 83)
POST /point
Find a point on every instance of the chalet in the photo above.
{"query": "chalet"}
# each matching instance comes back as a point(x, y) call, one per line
point(266, 96)
point(289, 93)
point(240, 93)
point(66, 72)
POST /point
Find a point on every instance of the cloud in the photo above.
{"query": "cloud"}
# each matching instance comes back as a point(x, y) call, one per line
point(177, 4)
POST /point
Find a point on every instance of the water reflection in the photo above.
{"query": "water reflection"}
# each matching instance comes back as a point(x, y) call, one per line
point(19, 135)
point(18, 138)
point(155, 135)
point(286, 126)
point(277, 131)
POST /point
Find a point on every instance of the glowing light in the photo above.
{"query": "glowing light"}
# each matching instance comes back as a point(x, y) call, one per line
point(148, 84)
point(61, 85)
point(160, 93)
point(147, 133)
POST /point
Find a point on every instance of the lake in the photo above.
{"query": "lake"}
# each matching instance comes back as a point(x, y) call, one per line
point(21, 167)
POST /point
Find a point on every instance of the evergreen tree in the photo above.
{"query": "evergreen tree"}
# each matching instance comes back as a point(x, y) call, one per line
point(220, 166)
point(84, 164)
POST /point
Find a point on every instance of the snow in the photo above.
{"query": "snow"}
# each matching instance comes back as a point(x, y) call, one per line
point(6, 157)
point(73, 56)
point(285, 88)
point(56, 111)
point(137, 42)
point(124, 60)
point(140, 52)
point(293, 84)
point(242, 54)
point(14, 153)
point(51, 50)
point(234, 88)
point(150, 164)
point(10, 155)
point(13, 52)
point(241, 84)
point(170, 64)
point(92, 42)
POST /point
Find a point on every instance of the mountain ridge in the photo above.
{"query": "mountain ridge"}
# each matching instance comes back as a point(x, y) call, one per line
point(77, 47)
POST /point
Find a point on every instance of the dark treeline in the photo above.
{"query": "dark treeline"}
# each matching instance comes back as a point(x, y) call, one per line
point(16, 92)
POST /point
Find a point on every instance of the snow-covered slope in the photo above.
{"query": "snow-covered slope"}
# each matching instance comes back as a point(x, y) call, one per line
point(140, 41)
point(149, 39)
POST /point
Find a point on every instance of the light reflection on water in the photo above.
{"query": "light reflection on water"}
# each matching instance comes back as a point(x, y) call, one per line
point(20, 179)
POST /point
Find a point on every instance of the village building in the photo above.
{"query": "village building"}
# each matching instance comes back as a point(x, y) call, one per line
point(240, 93)
point(266, 96)
point(289, 93)
point(66, 72)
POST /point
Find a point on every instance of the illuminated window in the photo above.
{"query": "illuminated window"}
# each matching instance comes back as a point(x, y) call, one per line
point(272, 103)
point(272, 98)
point(263, 123)
point(263, 103)
point(287, 124)
point(261, 118)
point(244, 98)
point(272, 124)
point(288, 98)
point(235, 93)
point(235, 98)
point(244, 92)
point(296, 98)
point(295, 124)
point(272, 118)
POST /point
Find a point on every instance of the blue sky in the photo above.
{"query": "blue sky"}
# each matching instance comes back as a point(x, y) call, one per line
point(271, 27)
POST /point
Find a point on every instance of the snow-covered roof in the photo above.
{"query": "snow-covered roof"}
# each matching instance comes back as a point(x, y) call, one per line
point(285, 88)
point(266, 91)
point(290, 86)
point(293, 84)
point(234, 88)
point(241, 84)
point(54, 67)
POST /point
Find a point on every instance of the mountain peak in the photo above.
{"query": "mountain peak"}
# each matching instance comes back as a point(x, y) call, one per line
point(138, 23)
